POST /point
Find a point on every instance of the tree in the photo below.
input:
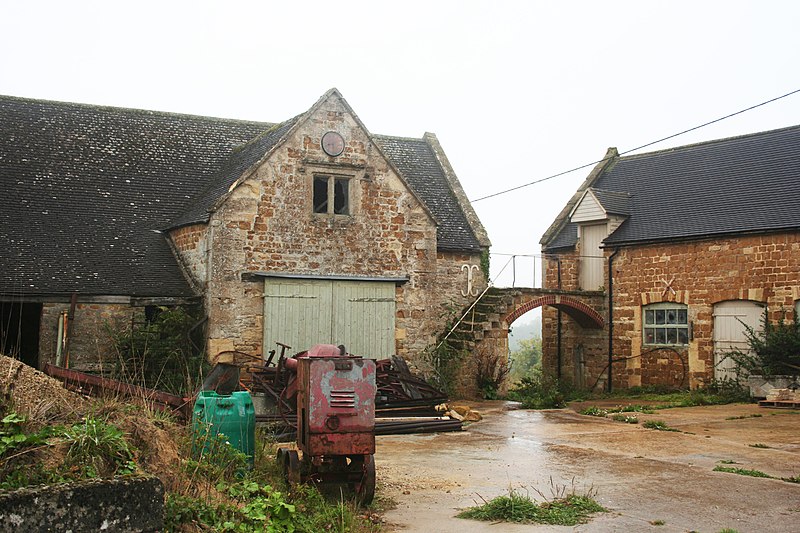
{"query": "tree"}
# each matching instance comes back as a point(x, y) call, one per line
point(526, 358)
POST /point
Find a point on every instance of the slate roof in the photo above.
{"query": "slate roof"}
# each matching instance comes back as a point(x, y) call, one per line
point(744, 184)
point(417, 162)
point(87, 191)
point(614, 203)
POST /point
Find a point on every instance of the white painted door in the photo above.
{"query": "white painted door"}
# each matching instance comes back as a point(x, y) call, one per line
point(591, 265)
point(305, 312)
point(730, 319)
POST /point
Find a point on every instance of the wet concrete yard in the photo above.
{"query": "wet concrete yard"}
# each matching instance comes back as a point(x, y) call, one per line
point(642, 476)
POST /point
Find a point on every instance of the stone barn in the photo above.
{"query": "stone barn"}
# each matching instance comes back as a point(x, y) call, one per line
point(690, 245)
point(311, 230)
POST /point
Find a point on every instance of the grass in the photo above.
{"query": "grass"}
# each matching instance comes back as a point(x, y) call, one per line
point(727, 462)
point(658, 425)
point(566, 511)
point(214, 491)
point(657, 522)
point(758, 445)
point(628, 419)
point(752, 473)
point(744, 417)
point(742, 471)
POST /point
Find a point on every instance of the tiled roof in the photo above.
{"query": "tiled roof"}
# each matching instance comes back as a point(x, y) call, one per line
point(242, 158)
point(417, 162)
point(614, 203)
point(86, 191)
point(737, 185)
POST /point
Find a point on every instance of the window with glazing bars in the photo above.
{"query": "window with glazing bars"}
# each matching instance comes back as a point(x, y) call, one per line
point(666, 324)
point(331, 195)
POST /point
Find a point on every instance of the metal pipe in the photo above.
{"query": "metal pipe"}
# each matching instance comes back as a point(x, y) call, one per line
point(558, 347)
point(513, 271)
point(611, 316)
point(60, 338)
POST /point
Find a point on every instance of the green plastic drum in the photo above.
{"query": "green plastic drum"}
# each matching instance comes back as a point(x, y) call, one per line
point(231, 417)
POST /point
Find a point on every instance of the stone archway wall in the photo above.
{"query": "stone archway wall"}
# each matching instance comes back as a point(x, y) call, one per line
point(484, 333)
point(580, 311)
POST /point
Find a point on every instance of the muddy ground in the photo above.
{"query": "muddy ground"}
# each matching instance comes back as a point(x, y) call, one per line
point(649, 480)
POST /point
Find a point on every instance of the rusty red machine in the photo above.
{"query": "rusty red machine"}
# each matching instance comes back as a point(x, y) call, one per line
point(335, 409)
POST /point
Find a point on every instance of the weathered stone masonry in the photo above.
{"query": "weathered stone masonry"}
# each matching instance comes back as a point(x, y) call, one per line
point(267, 225)
point(759, 268)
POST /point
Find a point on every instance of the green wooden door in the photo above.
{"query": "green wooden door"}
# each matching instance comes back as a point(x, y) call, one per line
point(305, 312)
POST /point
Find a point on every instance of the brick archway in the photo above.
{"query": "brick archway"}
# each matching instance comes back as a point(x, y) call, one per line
point(579, 311)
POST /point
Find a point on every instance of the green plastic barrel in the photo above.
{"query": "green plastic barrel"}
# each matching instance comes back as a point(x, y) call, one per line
point(231, 417)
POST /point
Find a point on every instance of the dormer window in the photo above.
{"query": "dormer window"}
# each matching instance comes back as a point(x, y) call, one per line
point(598, 214)
point(331, 195)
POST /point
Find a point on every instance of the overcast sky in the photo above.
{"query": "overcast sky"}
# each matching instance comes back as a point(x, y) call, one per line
point(515, 91)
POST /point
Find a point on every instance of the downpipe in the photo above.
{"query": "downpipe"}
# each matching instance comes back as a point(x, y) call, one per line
point(611, 317)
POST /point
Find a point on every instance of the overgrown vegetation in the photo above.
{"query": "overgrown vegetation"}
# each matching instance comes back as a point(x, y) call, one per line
point(491, 371)
point(774, 349)
point(223, 494)
point(212, 490)
point(163, 352)
point(562, 509)
point(88, 449)
point(540, 391)
point(445, 362)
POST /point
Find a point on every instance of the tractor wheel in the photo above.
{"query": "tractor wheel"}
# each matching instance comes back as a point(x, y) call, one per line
point(290, 465)
point(365, 488)
point(292, 462)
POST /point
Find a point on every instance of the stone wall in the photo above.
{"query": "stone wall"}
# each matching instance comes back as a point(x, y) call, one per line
point(191, 246)
point(118, 505)
point(91, 344)
point(267, 224)
point(759, 268)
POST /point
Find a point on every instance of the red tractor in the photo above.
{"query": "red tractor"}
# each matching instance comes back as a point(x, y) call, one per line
point(335, 395)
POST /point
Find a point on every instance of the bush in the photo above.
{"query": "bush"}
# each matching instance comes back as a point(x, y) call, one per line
point(774, 350)
point(161, 354)
point(539, 391)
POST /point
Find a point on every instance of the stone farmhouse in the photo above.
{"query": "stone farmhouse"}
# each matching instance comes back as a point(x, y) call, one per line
point(688, 246)
point(306, 231)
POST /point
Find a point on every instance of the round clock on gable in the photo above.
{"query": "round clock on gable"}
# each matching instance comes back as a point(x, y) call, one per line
point(332, 143)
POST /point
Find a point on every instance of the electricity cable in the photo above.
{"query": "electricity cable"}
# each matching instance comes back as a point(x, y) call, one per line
point(587, 165)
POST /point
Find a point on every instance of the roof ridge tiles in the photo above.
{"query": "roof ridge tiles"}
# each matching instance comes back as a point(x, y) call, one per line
point(99, 107)
point(707, 143)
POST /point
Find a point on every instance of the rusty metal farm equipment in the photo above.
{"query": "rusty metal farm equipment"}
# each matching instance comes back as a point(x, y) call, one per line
point(334, 393)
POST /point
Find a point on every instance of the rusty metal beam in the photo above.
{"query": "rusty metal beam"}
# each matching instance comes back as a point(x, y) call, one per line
point(98, 385)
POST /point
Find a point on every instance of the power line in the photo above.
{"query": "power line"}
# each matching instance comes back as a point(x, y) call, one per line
point(637, 148)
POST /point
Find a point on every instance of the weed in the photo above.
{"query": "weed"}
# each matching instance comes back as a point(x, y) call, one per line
point(657, 522)
point(727, 462)
point(758, 445)
point(594, 411)
point(540, 391)
point(98, 448)
point(161, 353)
point(658, 425)
point(12, 436)
point(744, 417)
point(628, 419)
point(568, 511)
point(742, 472)
point(728, 530)
point(792, 479)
